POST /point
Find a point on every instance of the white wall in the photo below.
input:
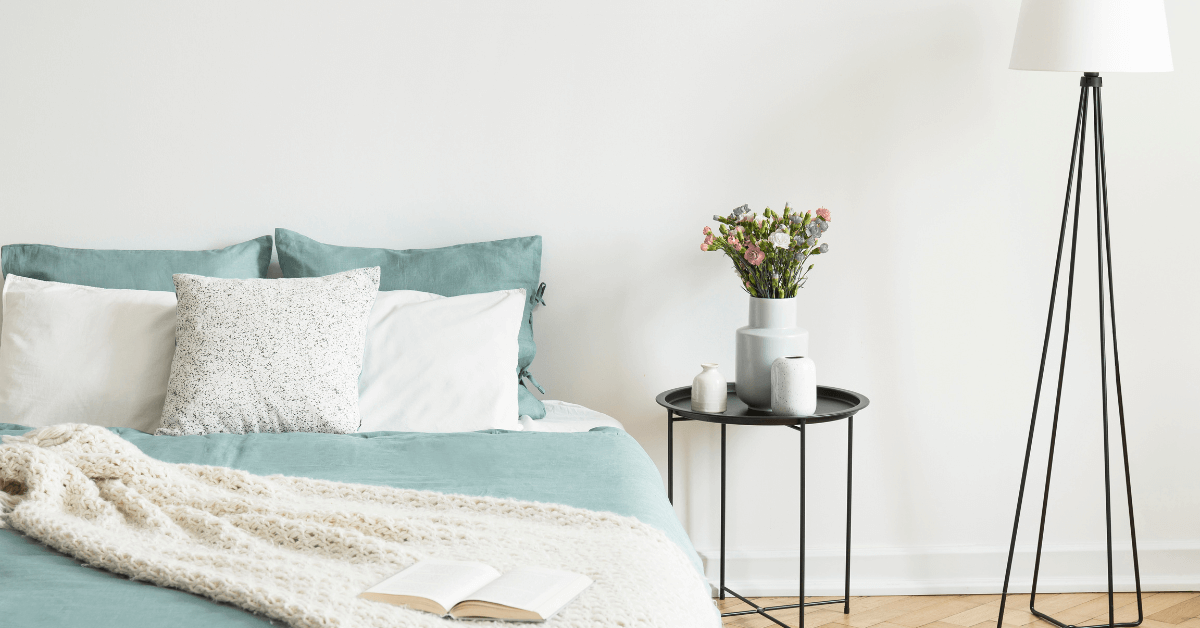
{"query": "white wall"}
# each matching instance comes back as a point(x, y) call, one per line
point(615, 130)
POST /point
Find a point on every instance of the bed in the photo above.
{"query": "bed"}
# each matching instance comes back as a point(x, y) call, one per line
point(379, 367)
point(602, 468)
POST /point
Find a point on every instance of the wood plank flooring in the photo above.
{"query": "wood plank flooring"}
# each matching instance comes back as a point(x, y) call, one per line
point(1161, 610)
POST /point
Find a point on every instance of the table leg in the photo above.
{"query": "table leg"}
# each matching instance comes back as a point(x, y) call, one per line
point(803, 435)
point(722, 593)
point(671, 457)
point(849, 494)
point(802, 427)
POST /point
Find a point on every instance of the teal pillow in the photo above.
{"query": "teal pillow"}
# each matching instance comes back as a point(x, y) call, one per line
point(449, 271)
point(134, 270)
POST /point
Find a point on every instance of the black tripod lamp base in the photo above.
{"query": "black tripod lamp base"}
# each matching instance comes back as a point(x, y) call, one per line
point(1089, 88)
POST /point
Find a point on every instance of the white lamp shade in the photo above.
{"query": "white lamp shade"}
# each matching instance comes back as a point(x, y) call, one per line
point(1092, 36)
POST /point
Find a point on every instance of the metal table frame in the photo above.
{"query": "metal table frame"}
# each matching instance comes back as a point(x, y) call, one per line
point(845, 404)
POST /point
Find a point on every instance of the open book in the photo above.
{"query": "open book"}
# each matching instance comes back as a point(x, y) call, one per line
point(467, 590)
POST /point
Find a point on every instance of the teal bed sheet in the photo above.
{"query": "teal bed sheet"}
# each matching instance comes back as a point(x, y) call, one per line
point(604, 469)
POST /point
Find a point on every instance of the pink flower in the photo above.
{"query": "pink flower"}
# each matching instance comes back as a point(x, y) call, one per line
point(737, 246)
point(704, 246)
point(823, 213)
point(747, 285)
point(707, 231)
point(754, 255)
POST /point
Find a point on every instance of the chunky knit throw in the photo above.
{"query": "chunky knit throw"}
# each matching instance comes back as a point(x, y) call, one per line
point(299, 550)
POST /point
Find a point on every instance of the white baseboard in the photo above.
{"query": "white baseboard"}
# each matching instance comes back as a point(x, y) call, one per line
point(956, 570)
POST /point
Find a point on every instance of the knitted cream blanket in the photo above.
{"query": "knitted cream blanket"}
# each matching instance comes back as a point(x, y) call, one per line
point(300, 550)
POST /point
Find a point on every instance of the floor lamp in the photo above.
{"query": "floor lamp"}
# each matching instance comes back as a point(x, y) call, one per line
point(1089, 36)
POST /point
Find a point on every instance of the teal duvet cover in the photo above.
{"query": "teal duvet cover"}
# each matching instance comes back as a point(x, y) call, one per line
point(604, 469)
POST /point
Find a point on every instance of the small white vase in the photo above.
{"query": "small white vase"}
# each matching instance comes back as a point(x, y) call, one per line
point(793, 386)
point(709, 390)
point(772, 333)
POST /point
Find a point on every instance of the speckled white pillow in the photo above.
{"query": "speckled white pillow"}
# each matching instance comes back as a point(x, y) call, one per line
point(268, 355)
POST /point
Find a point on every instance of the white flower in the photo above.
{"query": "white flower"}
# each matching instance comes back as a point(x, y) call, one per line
point(780, 240)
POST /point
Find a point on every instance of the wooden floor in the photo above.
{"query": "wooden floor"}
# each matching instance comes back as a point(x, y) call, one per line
point(1162, 610)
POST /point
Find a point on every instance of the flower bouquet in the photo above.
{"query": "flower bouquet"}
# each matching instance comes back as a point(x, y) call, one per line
point(769, 252)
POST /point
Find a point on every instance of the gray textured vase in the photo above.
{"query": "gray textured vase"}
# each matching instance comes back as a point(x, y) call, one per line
point(793, 386)
point(772, 333)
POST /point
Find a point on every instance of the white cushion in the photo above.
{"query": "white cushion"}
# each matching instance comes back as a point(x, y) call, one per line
point(441, 364)
point(268, 355)
point(76, 354)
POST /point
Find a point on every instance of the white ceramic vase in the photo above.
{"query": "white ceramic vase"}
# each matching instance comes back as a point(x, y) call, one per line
point(793, 386)
point(709, 390)
point(772, 333)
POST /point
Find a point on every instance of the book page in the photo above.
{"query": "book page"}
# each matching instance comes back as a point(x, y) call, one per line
point(543, 591)
point(446, 582)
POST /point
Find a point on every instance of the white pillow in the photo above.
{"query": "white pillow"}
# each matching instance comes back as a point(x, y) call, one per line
point(268, 355)
point(76, 354)
point(441, 364)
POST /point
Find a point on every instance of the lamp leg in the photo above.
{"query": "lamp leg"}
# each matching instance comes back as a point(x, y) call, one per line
point(1104, 263)
point(1076, 152)
point(1112, 311)
point(1062, 364)
point(1103, 373)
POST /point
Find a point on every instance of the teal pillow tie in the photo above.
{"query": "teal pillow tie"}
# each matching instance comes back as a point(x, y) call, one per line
point(525, 374)
point(536, 297)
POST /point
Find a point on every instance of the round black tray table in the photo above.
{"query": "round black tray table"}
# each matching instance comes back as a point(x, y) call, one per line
point(832, 404)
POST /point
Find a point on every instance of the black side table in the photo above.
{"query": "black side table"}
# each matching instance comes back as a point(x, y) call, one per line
point(832, 404)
